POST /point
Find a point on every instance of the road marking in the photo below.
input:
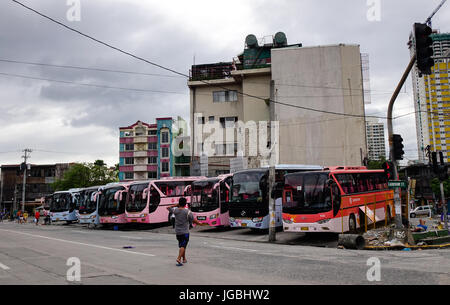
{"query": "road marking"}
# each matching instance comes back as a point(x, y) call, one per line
point(4, 267)
point(234, 248)
point(83, 244)
point(84, 232)
point(130, 237)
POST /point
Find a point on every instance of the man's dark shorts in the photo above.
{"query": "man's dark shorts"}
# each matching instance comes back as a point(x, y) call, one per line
point(183, 240)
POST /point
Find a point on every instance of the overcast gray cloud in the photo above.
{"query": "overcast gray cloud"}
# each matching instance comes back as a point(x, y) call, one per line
point(68, 122)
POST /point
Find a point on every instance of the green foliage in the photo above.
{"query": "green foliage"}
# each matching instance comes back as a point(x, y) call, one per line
point(376, 164)
point(82, 175)
point(435, 186)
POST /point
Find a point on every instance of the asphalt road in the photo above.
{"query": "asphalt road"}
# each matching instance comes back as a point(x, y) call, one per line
point(32, 254)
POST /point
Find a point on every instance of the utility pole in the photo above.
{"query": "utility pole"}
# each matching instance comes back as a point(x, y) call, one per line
point(397, 200)
point(271, 180)
point(25, 157)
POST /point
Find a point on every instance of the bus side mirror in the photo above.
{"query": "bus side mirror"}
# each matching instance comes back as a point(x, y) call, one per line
point(144, 193)
point(330, 182)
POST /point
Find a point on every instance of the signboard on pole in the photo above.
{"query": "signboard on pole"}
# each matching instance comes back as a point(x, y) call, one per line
point(397, 184)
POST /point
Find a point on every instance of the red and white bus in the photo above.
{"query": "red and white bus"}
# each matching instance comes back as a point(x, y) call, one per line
point(337, 199)
point(147, 201)
point(209, 200)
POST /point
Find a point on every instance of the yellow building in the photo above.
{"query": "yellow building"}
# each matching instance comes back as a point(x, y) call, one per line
point(432, 102)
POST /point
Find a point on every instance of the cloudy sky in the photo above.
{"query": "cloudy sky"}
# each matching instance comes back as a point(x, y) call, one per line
point(41, 108)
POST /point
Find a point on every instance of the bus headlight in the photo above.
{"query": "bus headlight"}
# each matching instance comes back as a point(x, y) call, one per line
point(258, 219)
point(93, 216)
point(143, 215)
point(214, 216)
point(289, 221)
point(323, 221)
point(232, 219)
point(114, 217)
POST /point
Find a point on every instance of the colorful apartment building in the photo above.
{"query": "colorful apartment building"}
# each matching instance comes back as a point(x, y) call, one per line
point(146, 151)
point(432, 101)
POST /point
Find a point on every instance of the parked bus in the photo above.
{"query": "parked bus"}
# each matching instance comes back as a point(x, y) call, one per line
point(64, 206)
point(88, 211)
point(338, 199)
point(147, 201)
point(249, 202)
point(112, 203)
point(209, 200)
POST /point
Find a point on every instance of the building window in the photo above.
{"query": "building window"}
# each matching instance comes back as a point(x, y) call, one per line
point(165, 137)
point(211, 119)
point(152, 132)
point(129, 175)
point(152, 146)
point(152, 175)
point(165, 152)
point(225, 96)
point(140, 131)
point(201, 120)
point(164, 167)
point(228, 121)
point(129, 146)
point(152, 160)
point(128, 133)
point(129, 160)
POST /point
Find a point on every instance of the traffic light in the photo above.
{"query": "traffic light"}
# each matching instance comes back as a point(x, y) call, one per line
point(424, 49)
point(388, 170)
point(440, 170)
point(398, 146)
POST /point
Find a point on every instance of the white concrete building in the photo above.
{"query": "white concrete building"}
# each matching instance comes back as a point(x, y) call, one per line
point(317, 83)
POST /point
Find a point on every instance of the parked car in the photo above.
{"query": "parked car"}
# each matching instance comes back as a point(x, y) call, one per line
point(421, 210)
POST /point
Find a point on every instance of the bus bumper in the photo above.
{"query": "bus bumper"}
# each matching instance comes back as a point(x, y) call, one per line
point(307, 227)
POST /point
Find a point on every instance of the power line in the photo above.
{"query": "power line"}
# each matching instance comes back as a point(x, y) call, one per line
point(179, 73)
point(86, 68)
point(89, 85)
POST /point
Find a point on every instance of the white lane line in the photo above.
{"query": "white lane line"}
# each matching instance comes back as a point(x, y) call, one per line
point(83, 244)
point(130, 237)
point(84, 232)
point(4, 267)
point(234, 248)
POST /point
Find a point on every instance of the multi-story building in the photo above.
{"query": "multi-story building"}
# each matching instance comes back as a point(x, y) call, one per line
point(146, 150)
point(301, 89)
point(375, 139)
point(38, 183)
point(432, 101)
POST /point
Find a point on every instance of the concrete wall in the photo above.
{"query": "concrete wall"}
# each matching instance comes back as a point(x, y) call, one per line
point(319, 78)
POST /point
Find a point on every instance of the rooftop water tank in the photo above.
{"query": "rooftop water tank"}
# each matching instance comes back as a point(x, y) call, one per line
point(280, 39)
point(251, 41)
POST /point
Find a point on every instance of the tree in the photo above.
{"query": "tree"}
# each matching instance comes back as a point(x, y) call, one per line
point(82, 175)
point(376, 164)
point(435, 186)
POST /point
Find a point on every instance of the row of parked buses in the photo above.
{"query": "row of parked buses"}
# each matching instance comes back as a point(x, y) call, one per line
point(307, 199)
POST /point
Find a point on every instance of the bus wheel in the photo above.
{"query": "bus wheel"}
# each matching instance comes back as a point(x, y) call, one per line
point(352, 224)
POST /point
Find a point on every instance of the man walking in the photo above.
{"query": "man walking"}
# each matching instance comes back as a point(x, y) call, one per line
point(183, 220)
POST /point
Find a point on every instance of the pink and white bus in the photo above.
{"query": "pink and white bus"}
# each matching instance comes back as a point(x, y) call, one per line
point(111, 206)
point(209, 200)
point(147, 201)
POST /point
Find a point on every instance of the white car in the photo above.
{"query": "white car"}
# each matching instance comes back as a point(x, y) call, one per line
point(421, 210)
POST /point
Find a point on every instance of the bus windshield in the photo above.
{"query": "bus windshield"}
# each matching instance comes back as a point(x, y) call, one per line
point(135, 201)
point(108, 205)
point(172, 188)
point(87, 202)
point(249, 186)
point(306, 193)
point(204, 196)
point(61, 202)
